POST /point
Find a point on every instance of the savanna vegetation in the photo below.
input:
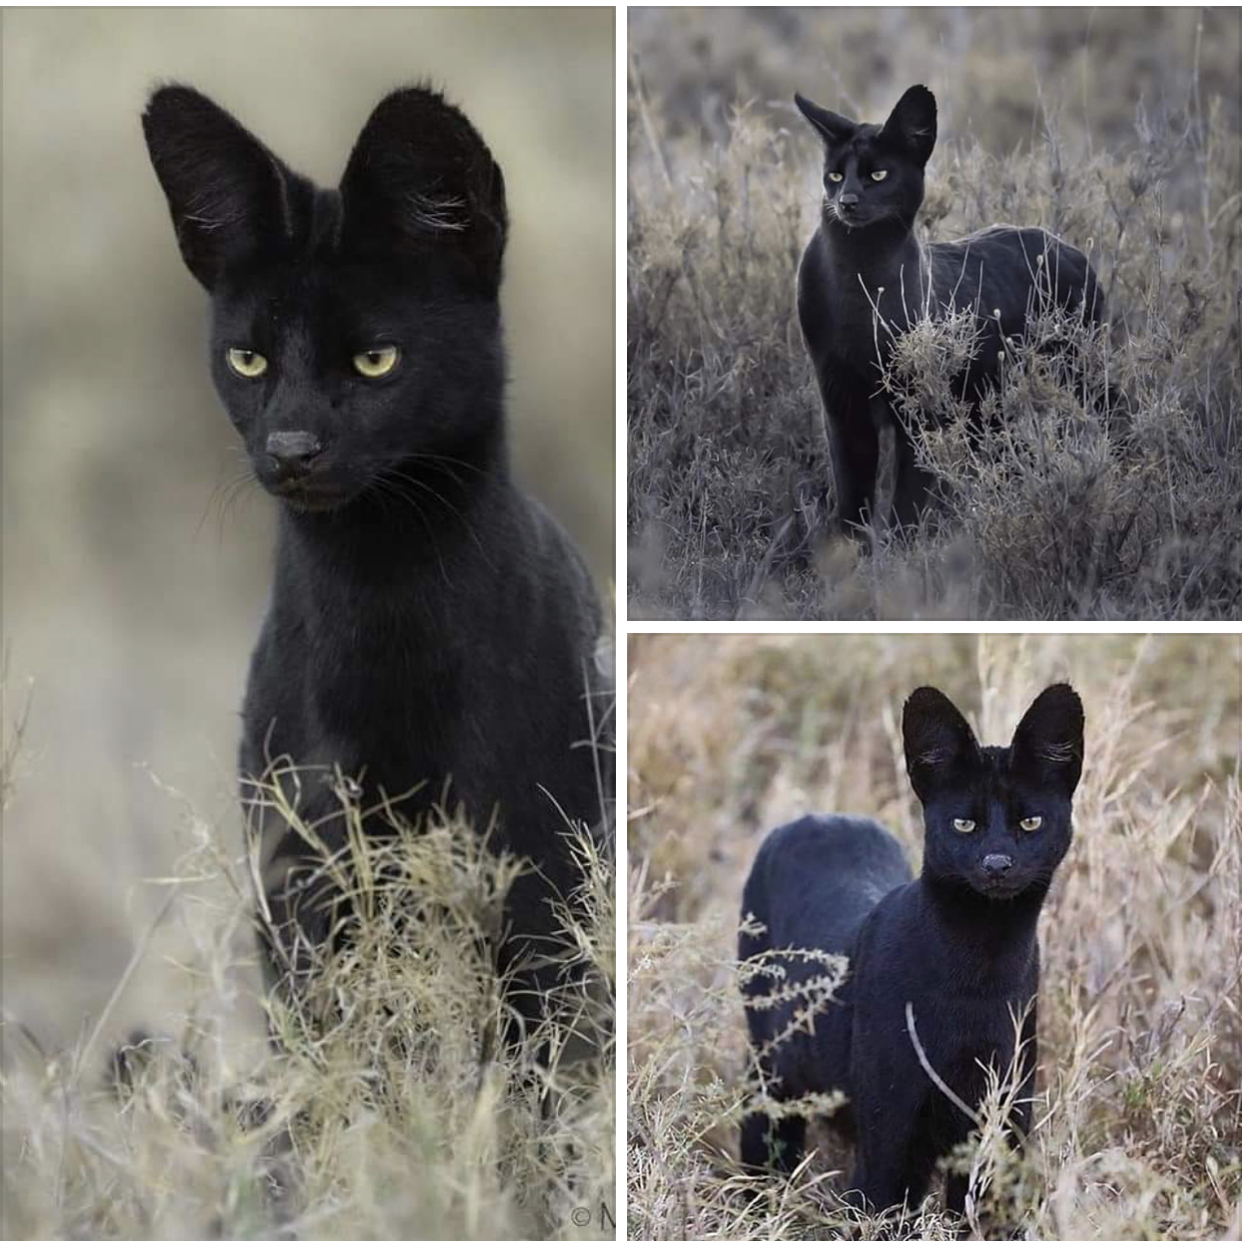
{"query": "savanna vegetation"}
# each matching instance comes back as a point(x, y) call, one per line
point(1138, 1113)
point(387, 1103)
point(1125, 504)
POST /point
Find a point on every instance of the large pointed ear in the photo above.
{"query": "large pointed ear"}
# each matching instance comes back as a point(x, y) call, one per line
point(228, 194)
point(1047, 744)
point(938, 741)
point(832, 128)
point(420, 177)
point(912, 125)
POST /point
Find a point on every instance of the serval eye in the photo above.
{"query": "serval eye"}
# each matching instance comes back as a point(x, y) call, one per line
point(879, 174)
point(964, 825)
point(1033, 824)
point(836, 176)
point(375, 363)
point(246, 363)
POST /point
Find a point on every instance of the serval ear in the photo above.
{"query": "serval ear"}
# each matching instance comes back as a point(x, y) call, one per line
point(911, 127)
point(421, 179)
point(229, 196)
point(939, 742)
point(830, 127)
point(1047, 744)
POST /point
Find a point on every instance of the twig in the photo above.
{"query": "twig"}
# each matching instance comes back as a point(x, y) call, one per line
point(943, 1086)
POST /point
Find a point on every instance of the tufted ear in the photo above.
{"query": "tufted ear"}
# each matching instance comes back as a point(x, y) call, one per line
point(832, 128)
point(421, 178)
point(228, 194)
point(912, 125)
point(1047, 744)
point(938, 741)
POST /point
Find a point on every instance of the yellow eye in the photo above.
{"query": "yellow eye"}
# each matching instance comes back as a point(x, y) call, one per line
point(964, 825)
point(879, 174)
point(836, 176)
point(246, 363)
point(1033, 824)
point(375, 363)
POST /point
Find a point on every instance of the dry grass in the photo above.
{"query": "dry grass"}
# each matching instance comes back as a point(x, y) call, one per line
point(1126, 507)
point(1139, 1115)
point(386, 1106)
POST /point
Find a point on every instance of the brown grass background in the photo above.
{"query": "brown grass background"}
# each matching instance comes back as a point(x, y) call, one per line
point(1140, 1122)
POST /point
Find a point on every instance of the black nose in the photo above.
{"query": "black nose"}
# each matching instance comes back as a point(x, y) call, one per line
point(997, 863)
point(293, 451)
point(848, 202)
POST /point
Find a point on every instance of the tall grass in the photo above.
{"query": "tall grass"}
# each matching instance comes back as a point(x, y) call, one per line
point(1127, 506)
point(1138, 1117)
point(387, 1103)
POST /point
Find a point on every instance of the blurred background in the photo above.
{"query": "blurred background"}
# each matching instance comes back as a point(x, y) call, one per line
point(992, 69)
point(130, 601)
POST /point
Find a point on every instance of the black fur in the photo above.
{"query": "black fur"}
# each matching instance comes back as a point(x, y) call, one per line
point(430, 627)
point(958, 944)
point(864, 260)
